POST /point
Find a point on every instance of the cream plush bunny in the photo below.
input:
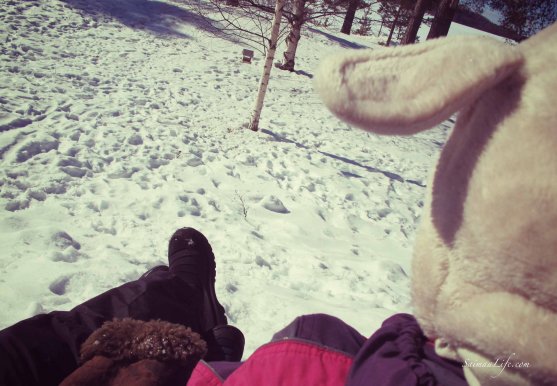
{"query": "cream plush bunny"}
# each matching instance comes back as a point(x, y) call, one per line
point(485, 262)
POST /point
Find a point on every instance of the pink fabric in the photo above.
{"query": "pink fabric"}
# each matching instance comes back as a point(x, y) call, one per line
point(288, 362)
point(203, 376)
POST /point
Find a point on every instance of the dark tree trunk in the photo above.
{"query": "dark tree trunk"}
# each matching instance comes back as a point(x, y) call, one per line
point(393, 26)
point(415, 21)
point(443, 18)
point(399, 33)
point(349, 18)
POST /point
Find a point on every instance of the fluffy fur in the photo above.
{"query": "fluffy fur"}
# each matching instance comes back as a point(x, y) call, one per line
point(132, 352)
point(407, 89)
point(133, 340)
point(485, 260)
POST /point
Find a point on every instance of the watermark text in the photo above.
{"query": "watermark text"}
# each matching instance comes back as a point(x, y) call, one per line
point(501, 363)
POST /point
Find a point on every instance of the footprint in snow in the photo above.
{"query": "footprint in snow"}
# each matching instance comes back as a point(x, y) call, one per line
point(195, 209)
point(274, 204)
point(63, 240)
point(101, 228)
point(74, 171)
point(59, 286)
point(68, 248)
point(37, 195)
point(157, 204)
point(262, 262)
point(143, 216)
point(34, 148)
point(155, 163)
point(10, 121)
point(135, 140)
point(69, 255)
point(14, 206)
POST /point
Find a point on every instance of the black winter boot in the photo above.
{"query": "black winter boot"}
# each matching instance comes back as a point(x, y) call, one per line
point(191, 259)
point(158, 268)
point(226, 343)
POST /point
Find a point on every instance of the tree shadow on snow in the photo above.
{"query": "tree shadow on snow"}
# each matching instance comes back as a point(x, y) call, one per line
point(389, 175)
point(155, 16)
point(343, 42)
point(304, 73)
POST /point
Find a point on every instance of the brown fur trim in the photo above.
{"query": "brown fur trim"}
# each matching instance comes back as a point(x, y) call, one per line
point(132, 340)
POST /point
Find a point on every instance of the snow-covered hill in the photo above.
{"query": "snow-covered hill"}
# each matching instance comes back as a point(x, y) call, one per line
point(120, 122)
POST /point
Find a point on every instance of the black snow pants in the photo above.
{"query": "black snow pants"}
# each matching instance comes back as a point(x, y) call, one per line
point(44, 349)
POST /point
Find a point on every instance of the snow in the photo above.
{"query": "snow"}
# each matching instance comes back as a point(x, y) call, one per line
point(121, 121)
point(460, 29)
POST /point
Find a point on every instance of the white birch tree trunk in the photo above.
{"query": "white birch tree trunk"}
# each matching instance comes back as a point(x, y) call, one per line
point(289, 55)
point(254, 122)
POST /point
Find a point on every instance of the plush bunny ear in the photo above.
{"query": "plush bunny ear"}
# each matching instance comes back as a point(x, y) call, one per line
point(407, 89)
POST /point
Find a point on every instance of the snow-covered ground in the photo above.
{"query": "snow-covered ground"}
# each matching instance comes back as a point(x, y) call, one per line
point(120, 121)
